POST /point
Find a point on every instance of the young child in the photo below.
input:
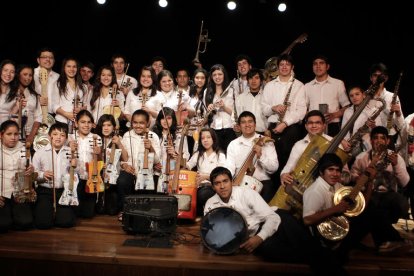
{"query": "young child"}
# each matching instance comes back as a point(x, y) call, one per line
point(135, 143)
point(82, 140)
point(106, 129)
point(52, 164)
point(13, 214)
point(166, 125)
point(206, 158)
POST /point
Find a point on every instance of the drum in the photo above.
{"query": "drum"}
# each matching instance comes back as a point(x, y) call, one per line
point(223, 230)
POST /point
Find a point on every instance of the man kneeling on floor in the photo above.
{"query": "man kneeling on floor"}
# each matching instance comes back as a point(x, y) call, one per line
point(275, 236)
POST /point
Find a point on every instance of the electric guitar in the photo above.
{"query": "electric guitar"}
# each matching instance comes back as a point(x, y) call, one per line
point(94, 184)
point(145, 177)
point(70, 184)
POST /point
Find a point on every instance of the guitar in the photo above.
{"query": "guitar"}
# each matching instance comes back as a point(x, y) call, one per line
point(271, 70)
point(183, 184)
point(41, 139)
point(113, 156)
point(244, 175)
point(23, 184)
point(70, 184)
point(94, 184)
point(145, 177)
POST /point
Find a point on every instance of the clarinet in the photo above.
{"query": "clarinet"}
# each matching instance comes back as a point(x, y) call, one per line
point(286, 102)
point(390, 125)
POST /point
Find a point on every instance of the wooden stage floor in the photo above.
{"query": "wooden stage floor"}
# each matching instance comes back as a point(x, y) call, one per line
point(95, 247)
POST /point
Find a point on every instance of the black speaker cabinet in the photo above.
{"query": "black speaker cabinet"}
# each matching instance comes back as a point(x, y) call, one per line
point(145, 214)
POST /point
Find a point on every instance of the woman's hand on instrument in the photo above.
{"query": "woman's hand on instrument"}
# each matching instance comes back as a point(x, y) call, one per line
point(251, 244)
point(97, 150)
point(210, 107)
point(115, 102)
point(171, 151)
point(201, 177)
point(73, 146)
point(116, 140)
point(29, 170)
point(148, 144)
point(346, 145)
point(158, 167)
point(43, 101)
point(279, 109)
point(70, 115)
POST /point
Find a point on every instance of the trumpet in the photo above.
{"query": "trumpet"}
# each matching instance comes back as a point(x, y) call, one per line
point(202, 38)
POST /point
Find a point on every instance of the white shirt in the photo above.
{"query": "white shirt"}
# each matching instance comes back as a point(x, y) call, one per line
point(252, 207)
point(248, 102)
point(274, 93)
point(330, 91)
point(42, 161)
point(105, 102)
point(240, 86)
point(407, 131)
point(207, 162)
point(11, 161)
point(134, 102)
point(32, 111)
point(318, 196)
point(238, 151)
point(65, 102)
point(51, 83)
point(222, 119)
point(134, 145)
point(5, 107)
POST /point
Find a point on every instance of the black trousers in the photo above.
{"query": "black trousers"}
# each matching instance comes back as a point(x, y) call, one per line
point(18, 216)
point(204, 192)
point(108, 201)
point(293, 243)
point(87, 201)
point(44, 214)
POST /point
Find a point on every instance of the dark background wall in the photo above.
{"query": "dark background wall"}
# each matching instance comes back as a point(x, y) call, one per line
point(353, 34)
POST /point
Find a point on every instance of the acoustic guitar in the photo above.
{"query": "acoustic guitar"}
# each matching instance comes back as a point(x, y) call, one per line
point(94, 184)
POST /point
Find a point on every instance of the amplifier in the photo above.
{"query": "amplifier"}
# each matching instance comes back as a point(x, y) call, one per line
point(145, 214)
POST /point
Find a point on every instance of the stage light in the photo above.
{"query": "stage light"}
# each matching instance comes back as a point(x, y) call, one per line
point(281, 7)
point(163, 3)
point(101, 2)
point(231, 5)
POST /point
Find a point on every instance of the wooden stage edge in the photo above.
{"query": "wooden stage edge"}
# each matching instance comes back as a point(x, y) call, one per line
point(95, 247)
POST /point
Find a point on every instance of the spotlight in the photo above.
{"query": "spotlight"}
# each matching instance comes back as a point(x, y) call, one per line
point(163, 3)
point(282, 7)
point(231, 5)
point(101, 2)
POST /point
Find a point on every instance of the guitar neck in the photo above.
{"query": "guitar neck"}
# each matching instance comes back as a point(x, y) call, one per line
point(239, 176)
point(112, 156)
point(44, 107)
point(71, 178)
point(146, 152)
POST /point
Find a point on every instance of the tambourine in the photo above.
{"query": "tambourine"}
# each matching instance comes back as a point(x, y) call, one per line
point(223, 230)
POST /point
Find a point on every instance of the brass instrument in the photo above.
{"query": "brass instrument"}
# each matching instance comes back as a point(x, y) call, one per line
point(390, 125)
point(41, 138)
point(271, 70)
point(337, 227)
point(356, 139)
point(290, 197)
point(202, 38)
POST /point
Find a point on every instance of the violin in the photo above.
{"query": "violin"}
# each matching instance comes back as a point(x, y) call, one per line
point(70, 183)
point(24, 190)
point(94, 184)
point(145, 177)
point(112, 159)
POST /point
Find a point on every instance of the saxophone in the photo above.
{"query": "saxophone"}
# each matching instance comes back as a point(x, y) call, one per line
point(286, 103)
point(356, 139)
point(390, 126)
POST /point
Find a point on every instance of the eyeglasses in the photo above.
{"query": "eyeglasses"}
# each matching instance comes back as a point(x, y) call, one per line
point(47, 57)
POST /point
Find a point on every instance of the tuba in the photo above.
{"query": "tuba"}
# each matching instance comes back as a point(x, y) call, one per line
point(202, 38)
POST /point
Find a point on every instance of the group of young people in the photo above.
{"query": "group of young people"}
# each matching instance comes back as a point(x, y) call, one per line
point(118, 135)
